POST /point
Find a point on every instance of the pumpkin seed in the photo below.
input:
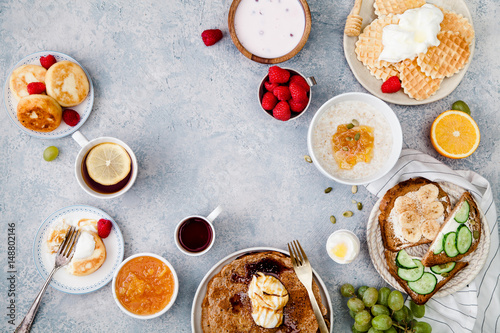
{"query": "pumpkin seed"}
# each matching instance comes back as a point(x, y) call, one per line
point(345, 148)
point(357, 136)
point(360, 206)
point(308, 159)
point(354, 201)
point(328, 190)
point(354, 189)
point(445, 274)
point(348, 138)
point(355, 122)
point(333, 219)
point(475, 234)
point(348, 213)
point(349, 126)
point(472, 222)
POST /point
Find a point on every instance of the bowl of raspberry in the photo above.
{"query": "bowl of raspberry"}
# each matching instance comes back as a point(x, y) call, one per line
point(284, 93)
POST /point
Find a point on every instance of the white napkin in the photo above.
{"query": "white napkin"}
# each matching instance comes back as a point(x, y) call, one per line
point(476, 308)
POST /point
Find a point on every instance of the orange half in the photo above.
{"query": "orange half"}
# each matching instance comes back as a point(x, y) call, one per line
point(455, 134)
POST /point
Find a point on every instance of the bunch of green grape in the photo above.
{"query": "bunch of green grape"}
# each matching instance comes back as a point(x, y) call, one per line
point(383, 310)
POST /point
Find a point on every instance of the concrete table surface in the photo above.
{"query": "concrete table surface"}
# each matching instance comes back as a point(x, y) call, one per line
point(191, 115)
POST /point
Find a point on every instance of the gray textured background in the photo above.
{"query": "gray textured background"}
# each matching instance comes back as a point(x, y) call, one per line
point(190, 114)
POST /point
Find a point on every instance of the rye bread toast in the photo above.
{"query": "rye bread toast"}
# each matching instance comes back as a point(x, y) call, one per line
point(473, 223)
point(417, 298)
point(391, 239)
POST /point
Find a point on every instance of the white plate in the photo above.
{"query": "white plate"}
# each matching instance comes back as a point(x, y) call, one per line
point(372, 84)
point(64, 281)
point(476, 259)
point(202, 288)
point(63, 130)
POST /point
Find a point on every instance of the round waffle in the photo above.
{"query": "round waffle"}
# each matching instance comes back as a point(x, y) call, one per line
point(415, 83)
point(385, 7)
point(457, 23)
point(383, 73)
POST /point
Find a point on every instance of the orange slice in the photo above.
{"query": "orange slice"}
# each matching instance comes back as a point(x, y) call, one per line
point(455, 134)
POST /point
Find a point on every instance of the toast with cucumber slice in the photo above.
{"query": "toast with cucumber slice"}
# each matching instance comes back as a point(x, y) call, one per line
point(459, 235)
point(420, 282)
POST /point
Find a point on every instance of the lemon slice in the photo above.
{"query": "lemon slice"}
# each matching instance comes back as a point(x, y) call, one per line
point(108, 163)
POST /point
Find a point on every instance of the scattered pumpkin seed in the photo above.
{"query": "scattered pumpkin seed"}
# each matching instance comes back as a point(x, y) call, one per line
point(354, 201)
point(333, 219)
point(348, 213)
point(445, 274)
point(472, 222)
point(357, 136)
point(355, 122)
point(348, 138)
point(360, 206)
point(349, 126)
point(354, 189)
point(345, 148)
point(308, 159)
point(475, 234)
point(328, 190)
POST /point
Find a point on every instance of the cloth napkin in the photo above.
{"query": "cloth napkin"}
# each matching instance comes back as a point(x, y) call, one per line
point(476, 308)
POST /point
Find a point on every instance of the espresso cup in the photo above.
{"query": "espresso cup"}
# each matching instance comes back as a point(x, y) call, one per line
point(195, 234)
point(84, 180)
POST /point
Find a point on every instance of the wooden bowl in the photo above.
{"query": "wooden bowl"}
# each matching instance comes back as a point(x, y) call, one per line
point(249, 55)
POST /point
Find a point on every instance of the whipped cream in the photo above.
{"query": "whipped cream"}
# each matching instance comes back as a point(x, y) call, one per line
point(85, 246)
point(342, 246)
point(268, 297)
point(416, 31)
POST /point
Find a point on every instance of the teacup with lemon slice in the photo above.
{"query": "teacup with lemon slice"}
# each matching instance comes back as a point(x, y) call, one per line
point(105, 167)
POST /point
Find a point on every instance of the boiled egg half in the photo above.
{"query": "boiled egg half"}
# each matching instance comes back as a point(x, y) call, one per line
point(342, 246)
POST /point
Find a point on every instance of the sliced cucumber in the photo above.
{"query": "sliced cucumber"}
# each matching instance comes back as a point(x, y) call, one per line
point(444, 268)
point(450, 244)
point(404, 260)
point(438, 245)
point(412, 274)
point(462, 214)
point(464, 239)
point(425, 285)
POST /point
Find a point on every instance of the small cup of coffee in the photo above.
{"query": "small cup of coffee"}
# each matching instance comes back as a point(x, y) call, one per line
point(105, 167)
point(195, 234)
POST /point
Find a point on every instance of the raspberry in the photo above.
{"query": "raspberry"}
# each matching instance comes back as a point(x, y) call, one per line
point(211, 36)
point(278, 75)
point(282, 111)
point(104, 228)
point(270, 86)
point(282, 93)
point(36, 88)
point(71, 117)
point(391, 85)
point(298, 93)
point(47, 61)
point(269, 101)
point(297, 106)
point(300, 81)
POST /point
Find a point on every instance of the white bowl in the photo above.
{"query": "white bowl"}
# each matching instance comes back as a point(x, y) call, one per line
point(390, 116)
point(174, 295)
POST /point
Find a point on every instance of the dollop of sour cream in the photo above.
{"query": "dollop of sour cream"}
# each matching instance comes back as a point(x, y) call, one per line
point(85, 246)
point(416, 31)
point(342, 246)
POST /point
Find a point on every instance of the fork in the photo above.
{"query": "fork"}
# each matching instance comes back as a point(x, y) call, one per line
point(302, 268)
point(63, 257)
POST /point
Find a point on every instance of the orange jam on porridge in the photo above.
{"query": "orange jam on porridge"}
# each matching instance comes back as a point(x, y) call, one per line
point(352, 144)
point(144, 285)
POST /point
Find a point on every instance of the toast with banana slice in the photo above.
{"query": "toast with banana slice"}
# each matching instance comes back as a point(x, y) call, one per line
point(411, 213)
point(420, 282)
point(459, 235)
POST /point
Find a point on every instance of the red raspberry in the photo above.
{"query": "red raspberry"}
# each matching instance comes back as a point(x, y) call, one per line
point(71, 117)
point(36, 88)
point(47, 61)
point(392, 85)
point(282, 93)
point(104, 228)
point(278, 75)
point(269, 101)
point(211, 36)
point(282, 111)
point(297, 106)
point(298, 93)
point(300, 81)
point(270, 86)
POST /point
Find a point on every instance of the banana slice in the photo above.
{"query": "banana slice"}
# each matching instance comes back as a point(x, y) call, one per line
point(430, 229)
point(433, 210)
point(403, 204)
point(427, 193)
point(412, 235)
point(409, 219)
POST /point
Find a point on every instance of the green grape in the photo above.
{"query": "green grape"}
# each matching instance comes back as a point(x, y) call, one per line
point(370, 297)
point(418, 310)
point(355, 304)
point(422, 327)
point(395, 300)
point(382, 322)
point(347, 290)
point(413, 323)
point(363, 318)
point(354, 330)
point(461, 106)
point(378, 309)
point(361, 328)
point(352, 313)
point(361, 291)
point(383, 295)
point(400, 316)
point(409, 314)
point(391, 330)
point(50, 153)
point(372, 330)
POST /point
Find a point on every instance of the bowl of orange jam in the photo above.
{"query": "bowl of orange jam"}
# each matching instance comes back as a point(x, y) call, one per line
point(145, 286)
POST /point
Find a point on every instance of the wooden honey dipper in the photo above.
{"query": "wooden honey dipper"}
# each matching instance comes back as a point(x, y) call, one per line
point(354, 21)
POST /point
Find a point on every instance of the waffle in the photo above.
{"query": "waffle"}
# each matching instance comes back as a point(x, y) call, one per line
point(383, 73)
point(415, 83)
point(457, 23)
point(447, 58)
point(369, 45)
point(386, 7)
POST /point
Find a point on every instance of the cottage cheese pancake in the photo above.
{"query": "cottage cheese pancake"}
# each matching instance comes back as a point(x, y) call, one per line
point(67, 83)
point(22, 76)
point(39, 113)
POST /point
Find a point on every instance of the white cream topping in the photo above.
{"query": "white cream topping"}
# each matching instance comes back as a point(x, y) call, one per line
point(268, 297)
point(85, 246)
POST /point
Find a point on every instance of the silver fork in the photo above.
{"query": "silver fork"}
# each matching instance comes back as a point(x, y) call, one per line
point(303, 269)
point(63, 257)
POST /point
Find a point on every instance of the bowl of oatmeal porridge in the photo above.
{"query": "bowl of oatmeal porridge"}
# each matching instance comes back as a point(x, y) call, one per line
point(354, 138)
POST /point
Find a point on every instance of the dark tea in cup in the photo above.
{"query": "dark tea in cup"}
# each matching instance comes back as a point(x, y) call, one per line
point(195, 234)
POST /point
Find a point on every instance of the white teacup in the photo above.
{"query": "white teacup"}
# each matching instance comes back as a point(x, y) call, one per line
point(195, 234)
point(86, 147)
